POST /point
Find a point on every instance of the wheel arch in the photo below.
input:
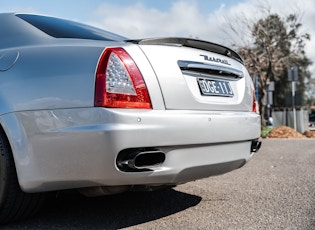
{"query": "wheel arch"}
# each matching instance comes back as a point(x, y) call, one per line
point(15, 204)
point(17, 140)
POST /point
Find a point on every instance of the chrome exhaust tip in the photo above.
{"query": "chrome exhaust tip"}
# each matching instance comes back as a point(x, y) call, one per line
point(139, 160)
point(255, 146)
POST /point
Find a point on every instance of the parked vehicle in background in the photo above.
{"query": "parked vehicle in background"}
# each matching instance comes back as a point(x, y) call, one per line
point(83, 108)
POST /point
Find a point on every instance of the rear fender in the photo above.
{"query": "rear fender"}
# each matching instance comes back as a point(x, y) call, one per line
point(17, 139)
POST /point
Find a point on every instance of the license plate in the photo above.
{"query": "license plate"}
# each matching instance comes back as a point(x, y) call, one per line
point(209, 87)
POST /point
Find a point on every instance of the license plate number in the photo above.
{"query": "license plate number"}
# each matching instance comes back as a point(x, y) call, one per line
point(209, 87)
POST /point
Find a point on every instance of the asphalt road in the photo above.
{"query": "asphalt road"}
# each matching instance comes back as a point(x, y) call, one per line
point(275, 190)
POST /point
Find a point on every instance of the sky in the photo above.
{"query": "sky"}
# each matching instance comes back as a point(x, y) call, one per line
point(203, 19)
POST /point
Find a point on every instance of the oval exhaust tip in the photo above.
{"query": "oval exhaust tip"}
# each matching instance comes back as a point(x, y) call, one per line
point(255, 146)
point(148, 159)
point(135, 160)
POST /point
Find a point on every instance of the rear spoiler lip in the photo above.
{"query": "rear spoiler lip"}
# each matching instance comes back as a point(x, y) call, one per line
point(192, 43)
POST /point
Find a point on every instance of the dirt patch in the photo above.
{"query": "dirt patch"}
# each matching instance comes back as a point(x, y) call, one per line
point(310, 133)
point(287, 132)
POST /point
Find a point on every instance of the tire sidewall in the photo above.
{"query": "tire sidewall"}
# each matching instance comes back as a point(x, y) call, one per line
point(3, 170)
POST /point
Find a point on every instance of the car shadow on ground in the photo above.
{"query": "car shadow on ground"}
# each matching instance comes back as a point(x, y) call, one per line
point(108, 212)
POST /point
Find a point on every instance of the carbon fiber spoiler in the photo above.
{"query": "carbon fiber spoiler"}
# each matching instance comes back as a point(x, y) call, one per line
point(192, 43)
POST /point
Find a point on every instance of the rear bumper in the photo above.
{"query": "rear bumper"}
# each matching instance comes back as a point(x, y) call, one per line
point(75, 148)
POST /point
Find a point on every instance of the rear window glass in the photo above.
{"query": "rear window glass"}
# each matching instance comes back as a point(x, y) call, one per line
point(60, 28)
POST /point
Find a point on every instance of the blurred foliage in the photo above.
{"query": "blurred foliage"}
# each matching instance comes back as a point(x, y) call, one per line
point(277, 46)
point(265, 131)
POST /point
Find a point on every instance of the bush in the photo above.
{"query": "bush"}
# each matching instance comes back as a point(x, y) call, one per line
point(265, 131)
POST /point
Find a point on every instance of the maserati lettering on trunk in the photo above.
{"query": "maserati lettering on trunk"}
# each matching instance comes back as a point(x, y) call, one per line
point(214, 59)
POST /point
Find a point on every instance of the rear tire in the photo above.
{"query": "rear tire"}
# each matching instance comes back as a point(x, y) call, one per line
point(14, 203)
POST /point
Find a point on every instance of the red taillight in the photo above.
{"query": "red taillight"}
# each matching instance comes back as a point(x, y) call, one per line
point(119, 83)
point(255, 107)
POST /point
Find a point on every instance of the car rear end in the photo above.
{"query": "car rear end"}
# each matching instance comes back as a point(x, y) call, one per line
point(147, 113)
point(82, 108)
point(195, 114)
point(163, 113)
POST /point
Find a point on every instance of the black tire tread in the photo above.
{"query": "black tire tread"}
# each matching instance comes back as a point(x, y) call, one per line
point(16, 204)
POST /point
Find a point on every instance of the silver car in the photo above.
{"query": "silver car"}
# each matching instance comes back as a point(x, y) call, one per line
point(83, 108)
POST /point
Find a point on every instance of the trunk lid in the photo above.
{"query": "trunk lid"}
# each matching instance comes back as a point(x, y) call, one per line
point(199, 75)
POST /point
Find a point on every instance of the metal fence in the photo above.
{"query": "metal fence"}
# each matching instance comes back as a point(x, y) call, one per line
point(285, 117)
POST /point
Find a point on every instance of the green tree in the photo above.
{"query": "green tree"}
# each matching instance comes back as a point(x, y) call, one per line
point(277, 45)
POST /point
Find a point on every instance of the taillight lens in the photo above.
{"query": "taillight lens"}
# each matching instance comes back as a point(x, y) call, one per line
point(255, 107)
point(119, 83)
